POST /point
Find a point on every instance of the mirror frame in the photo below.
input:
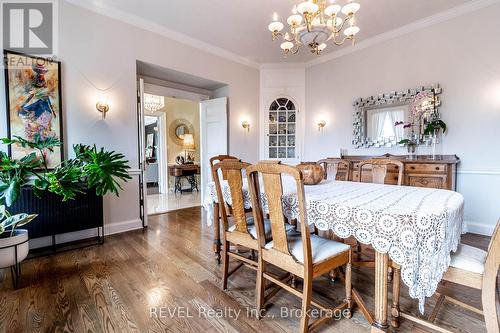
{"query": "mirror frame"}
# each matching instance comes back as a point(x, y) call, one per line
point(172, 130)
point(393, 98)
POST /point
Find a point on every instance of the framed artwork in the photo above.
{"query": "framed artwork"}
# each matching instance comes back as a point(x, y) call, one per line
point(34, 104)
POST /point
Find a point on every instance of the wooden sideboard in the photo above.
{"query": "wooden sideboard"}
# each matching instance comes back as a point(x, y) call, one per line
point(422, 172)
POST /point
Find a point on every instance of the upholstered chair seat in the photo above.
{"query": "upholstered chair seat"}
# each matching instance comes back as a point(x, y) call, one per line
point(469, 258)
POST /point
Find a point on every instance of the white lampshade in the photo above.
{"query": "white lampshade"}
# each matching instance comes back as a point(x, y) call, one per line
point(294, 19)
point(286, 46)
point(188, 143)
point(351, 8)
point(332, 10)
point(351, 31)
point(275, 26)
point(307, 7)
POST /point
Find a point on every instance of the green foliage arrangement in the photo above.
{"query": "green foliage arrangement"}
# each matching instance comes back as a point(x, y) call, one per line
point(91, 168)
point(9, 223)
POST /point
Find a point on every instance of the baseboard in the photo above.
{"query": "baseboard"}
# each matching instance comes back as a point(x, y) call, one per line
point(109, 229)
point(479, 228)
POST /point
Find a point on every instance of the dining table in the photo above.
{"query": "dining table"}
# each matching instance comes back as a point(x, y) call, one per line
point(413, 227)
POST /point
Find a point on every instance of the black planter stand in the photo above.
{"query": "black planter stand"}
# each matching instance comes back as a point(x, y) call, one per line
point(15, 270)
point(56, 217)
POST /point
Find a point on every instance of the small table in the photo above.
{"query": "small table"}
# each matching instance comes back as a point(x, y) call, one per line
point(188, 171)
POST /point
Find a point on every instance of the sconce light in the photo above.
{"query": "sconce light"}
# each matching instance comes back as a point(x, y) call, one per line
point(321, 125)
point(246, 125)
point(103, 107)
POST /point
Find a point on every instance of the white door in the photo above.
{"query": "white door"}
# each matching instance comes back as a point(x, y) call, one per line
point(142, 154)
point(214, 135)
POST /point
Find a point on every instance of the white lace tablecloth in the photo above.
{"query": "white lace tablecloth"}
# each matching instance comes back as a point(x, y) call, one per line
point(417, 227)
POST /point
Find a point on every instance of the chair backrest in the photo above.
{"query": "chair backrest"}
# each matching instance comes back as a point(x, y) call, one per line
point(271, 176)
point(233, 169)
point(493, 256)
point(219, 158)
point(331, 166)
point(379, 169)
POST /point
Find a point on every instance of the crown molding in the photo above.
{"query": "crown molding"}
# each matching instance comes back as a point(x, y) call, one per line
point(283, 65)
point(406, 29)
point(139, 22)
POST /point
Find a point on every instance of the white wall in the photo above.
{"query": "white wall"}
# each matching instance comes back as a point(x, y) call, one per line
point(97, 51)
point(463, 55)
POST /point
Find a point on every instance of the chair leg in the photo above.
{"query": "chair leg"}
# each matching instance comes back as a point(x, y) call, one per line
point(225, 265)
point(396, 288)
point(260, 288)
point(488, 299)
point(333, 275)
point(306, 304)
point(348, 288)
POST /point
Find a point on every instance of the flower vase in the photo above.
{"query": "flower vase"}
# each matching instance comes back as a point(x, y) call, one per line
point(436, 146)
point(412, 151)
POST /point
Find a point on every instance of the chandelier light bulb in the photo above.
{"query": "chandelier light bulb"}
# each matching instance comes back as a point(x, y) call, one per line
point(294, 9)
point(307, 7)
point(275, 16)
point(294, 20)
point(332, 10)
point(351, 31)
point(276, 26)
point(351, 8)
point(286, 46)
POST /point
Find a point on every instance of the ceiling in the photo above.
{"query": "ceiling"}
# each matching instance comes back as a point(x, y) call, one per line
point(240, 27)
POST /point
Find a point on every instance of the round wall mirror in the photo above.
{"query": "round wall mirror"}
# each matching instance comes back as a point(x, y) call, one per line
point(181, 130)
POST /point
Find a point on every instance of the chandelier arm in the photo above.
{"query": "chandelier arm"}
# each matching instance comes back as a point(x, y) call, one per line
point(347, 18)
point(334, 39)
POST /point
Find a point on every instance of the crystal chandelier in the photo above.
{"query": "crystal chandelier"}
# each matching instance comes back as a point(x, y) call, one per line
point(153, 103)
point(314, 23)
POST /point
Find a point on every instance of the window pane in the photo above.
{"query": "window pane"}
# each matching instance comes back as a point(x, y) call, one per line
point(282, 140)
point(273, 117)
point(273, 129)
point(291, 117)
point(273, 141)
point(272, 153)
point(291, 152)
point(290, 105)
point(291, 141)
point(282, 101)
point(291, 128)
point(282, 117)
point(274, 106)
point(281, 152)
point(282, 129)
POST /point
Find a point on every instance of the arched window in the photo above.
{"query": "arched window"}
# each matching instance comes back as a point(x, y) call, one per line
point(282, 129)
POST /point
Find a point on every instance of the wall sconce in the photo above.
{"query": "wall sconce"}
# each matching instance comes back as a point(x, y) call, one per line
point(246, 125)
point(321, 125)
point(103, 107)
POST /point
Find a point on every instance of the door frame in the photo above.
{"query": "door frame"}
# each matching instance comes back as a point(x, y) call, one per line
point(161, 121)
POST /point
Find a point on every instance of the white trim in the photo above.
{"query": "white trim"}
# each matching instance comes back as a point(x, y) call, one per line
point(406, 29)
point(117, 14)
point(479, 228)
point(479, 172)
point(283, 65)
point(109, 229)
point(134, 172)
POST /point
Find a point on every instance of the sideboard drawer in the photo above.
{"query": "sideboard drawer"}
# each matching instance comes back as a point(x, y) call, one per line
point(434, 181)
point(425, 168)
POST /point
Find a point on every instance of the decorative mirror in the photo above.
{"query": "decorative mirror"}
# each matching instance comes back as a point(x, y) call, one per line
point(378, 119)
point(181, 130)
point(178, 128)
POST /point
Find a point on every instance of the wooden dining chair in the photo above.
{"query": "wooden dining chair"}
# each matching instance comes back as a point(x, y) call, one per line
point(219, 158)
point(331, 166)
point(379, 169)
point(379, 173)
point(470, 267)
point(299, 253)
point(238, 229)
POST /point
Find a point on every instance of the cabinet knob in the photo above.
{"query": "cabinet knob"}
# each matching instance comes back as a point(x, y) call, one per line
point(437, 168)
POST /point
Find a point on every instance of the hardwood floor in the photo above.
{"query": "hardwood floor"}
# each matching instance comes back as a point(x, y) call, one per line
point(136, 280)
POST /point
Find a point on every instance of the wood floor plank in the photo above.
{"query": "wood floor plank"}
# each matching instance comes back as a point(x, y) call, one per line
point(119, 286)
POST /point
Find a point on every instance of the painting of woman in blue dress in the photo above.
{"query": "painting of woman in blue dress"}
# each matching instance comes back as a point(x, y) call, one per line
point(34, 102)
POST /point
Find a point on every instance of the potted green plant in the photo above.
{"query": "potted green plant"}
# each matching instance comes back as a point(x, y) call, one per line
point(14, 245)
point(67, 198)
